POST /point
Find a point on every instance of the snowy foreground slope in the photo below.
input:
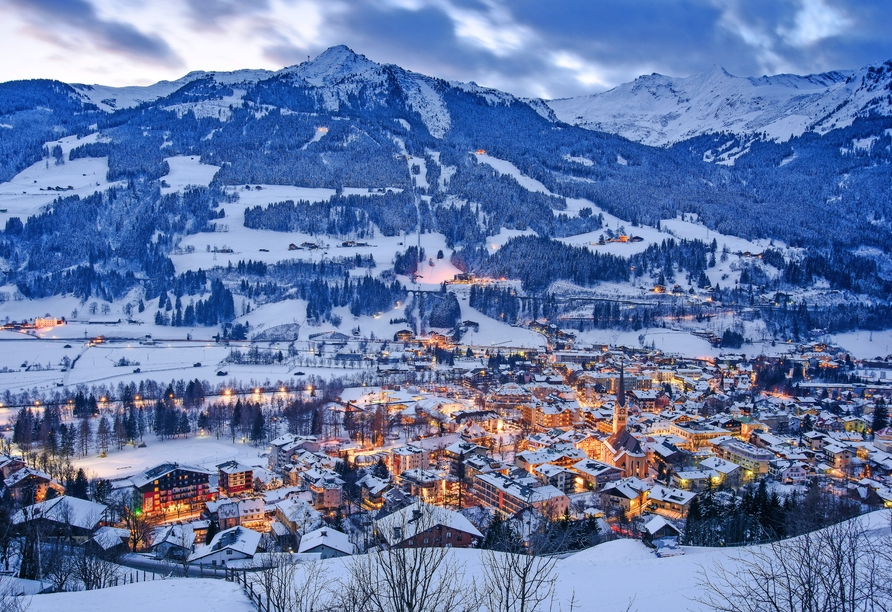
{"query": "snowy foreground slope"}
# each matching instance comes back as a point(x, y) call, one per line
point(607, 577)
point(659, 110)
point(611, 576)
point(175, 595)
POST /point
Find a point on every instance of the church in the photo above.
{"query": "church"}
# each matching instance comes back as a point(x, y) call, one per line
point(622, 449)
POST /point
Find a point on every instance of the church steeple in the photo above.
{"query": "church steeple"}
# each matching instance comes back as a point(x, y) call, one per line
point(620, 415)
point(621, 396)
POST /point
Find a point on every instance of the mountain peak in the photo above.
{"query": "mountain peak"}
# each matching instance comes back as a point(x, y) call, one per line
point(333, 65)
point(716, 72)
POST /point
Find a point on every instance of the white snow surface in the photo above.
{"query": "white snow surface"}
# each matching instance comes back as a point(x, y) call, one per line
point(35, 186)
point(865, 344)
point(215, 108)
point(187, 171)
point(428, 103)
point(110, 99)
point(659, 110)
point(599, 574)
point(171, 595)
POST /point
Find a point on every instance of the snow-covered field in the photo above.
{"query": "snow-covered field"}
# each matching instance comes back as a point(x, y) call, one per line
point(865, 344)
point(172, 595)
point(187, 171)
point(201, 451)
point(36, 186)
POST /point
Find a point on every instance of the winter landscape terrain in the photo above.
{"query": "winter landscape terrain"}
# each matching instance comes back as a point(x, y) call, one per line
point(615, 334)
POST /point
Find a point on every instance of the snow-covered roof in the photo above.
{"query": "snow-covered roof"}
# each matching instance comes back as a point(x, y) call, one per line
point(20, 475)
point(657, 523)
point(233, 467)
point(675, 496)
point(299, 512)
point(326, 536)
point(144, 478)
point(177, 535)
point(719, 465)
point(419, 517)
point(72, 511)
point(239, 539)
point(109, 537)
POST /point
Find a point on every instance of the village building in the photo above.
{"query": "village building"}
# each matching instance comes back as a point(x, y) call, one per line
point(29, 485)
point(234, 478)
point(64, 515)
point(171, 487)
point(327, 543)
point(173, 542)
point(658, 528)
point(422, 525)
point(227, 546)
point(509, 494)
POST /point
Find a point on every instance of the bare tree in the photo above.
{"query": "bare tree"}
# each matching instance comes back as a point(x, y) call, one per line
point(183, 536)
point(406, 578)
point(10, 601)
point(138, 523)
point(841, 568)
point(58, 564)
point(291, 586)
point(516, 582)
point(95, 572)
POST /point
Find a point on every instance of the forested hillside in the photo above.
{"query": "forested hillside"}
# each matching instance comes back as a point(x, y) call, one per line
point(402, 154)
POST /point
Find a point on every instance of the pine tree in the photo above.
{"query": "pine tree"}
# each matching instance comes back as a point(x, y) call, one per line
point(84, 437)
point(183, 427)
point(236, 420)
point(380, 470)
point(501, 536)
point(258, 427)
point(103, 435)
point(880, 416)
point(79, 486)
point(213, 529)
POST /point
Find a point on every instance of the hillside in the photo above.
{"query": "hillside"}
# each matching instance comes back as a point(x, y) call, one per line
point(660, 110)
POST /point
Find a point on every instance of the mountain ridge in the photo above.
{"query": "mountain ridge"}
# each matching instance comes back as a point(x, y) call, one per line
point(658, 110)
point(655, 109)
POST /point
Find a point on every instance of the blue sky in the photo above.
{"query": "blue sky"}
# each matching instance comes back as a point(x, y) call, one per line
point(543, 48)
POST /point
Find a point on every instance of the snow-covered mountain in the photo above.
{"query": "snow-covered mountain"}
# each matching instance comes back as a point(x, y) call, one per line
point(114, 98)
point(337, 74)
point(659, 110)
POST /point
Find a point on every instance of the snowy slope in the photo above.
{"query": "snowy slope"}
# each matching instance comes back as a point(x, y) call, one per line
point(175, 595)
point(113, 98)
point(659, 110)
point(338, 74)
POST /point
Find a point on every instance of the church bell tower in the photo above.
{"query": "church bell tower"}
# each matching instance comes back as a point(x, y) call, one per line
point(620, 412)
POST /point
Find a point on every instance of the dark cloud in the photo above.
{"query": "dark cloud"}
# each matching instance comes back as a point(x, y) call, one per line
point(619, 39)
point(214, 13)
point(113, 36)
point(528, 47)
point(286, 54)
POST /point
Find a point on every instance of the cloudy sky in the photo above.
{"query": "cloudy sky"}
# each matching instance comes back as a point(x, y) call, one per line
point(544, 48)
